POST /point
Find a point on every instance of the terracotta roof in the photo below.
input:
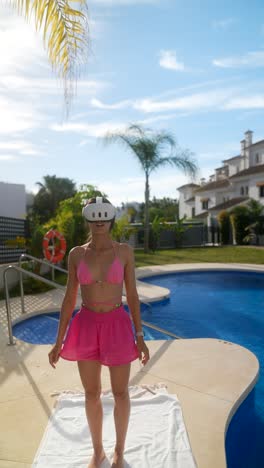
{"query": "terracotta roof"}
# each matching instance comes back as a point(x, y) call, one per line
point(257, 143)
point(231, 159)
point(188, 185)
point(190, 199)
point(221, 167)
point(250, 170)
point(213, 185)
point(229, 203)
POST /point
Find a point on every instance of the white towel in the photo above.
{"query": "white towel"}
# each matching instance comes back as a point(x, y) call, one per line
point(156, 436)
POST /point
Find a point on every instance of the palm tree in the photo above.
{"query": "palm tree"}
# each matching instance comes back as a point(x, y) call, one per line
point(255, 228)
point(52, 191)
point(153, 150)
point(65, 34)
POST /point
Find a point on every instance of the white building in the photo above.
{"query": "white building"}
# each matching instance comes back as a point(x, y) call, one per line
point(12, 200)
point(234, 183)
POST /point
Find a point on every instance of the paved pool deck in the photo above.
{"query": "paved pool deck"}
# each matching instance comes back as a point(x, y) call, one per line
point(211, 378)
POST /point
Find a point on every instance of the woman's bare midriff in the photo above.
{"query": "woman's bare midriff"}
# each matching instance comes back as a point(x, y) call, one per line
point(100, 293)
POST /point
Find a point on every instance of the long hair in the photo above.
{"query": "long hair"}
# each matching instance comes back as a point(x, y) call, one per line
point(93, 200)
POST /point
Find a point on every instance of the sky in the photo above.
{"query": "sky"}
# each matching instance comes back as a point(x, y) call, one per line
point(192, 68)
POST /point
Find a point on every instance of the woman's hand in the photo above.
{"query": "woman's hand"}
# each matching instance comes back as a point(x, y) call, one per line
point(54, 355)
point(142, 349)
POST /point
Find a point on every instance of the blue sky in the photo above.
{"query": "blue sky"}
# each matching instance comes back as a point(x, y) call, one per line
point(192, 68)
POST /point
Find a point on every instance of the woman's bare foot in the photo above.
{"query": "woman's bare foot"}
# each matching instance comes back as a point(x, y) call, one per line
point(118, 460)
point(97, 459)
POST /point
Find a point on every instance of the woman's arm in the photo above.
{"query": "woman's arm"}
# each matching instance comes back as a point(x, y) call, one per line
point(133, 303)
point(131, 290)
point(70, 297)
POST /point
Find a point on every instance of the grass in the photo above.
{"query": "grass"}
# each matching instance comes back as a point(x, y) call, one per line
point(226, 254)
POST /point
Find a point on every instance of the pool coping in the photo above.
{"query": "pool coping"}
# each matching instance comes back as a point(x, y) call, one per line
point(223, 408)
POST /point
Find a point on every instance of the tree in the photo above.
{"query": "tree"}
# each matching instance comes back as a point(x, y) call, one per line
point(165, 208)
point(239, 217)
point(256, 226)
point(65, 34)
point(224, 221)
point(69, 219)
point(52, 191)
point(152, 150)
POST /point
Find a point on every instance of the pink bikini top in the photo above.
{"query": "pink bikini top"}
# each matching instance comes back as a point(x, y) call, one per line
point(115, 274)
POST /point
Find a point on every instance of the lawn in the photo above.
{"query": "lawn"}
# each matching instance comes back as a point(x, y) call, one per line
point(227, 254)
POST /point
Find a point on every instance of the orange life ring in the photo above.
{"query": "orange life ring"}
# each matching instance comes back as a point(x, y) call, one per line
point(54, 254)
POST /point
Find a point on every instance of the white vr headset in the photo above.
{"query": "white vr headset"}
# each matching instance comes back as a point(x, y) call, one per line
point(98, 211)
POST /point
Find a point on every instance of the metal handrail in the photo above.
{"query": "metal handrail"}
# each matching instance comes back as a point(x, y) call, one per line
point(155, 327)
point(52, 265)
point(7, 298)
point(45, 262)
point(21, 271)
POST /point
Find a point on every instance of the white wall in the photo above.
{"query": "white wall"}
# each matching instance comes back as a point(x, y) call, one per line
point(12, 200)
point(206, 194)
point(234, 167)
point(253, 189)
point(186, 208)
point(258, 149)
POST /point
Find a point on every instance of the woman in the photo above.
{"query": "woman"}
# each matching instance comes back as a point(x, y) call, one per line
point(101, 332)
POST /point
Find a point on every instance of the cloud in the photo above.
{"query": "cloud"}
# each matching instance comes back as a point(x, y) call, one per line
point(85, 142)
point(21, 89)
point(224, 23)
point(193, 102)
point(247, 102)
point(169, 60)
point(119, 105)
point(123, 2)
point(94, 130)
point(17, 116)
point(7, 157)
point(20, 45)
point(251, 59)
point(21, 147)
point(19, 83)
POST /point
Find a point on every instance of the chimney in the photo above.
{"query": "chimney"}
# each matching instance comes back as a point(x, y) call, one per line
point(248, 138)
point(243, 146)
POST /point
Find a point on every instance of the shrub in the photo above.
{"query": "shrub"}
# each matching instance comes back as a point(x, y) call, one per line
point(240, 219)
point(121, 229)
point(224, 222)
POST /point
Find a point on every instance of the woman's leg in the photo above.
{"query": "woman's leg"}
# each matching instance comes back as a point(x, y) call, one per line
point(119, 376)
point(90, 373)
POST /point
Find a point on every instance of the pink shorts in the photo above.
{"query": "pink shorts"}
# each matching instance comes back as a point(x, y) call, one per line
point(106, 336)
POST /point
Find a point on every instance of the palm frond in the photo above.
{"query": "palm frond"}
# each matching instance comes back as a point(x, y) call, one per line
point(65, 35)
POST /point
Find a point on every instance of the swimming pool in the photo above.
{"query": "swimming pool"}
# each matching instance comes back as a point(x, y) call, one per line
point(228, 305)
point(42, 329)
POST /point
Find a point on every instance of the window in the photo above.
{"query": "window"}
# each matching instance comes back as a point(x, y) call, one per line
point(193, 212)
point(261, 191)
point(242, 191)
point(257, 158)
point(224, 199)
point(246, 190)
point(205, 205)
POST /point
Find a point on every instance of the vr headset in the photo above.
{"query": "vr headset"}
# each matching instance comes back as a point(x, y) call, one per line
point(98, 211)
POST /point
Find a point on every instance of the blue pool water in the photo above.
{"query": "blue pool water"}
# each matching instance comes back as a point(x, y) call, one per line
point(228, 305)
point(42, 329)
